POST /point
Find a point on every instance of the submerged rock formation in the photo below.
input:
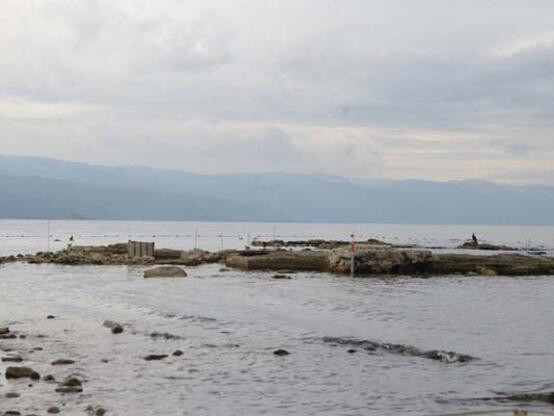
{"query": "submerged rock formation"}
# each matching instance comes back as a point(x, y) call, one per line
point(374, 346)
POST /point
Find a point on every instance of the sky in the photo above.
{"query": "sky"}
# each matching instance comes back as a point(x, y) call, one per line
point(424, 89)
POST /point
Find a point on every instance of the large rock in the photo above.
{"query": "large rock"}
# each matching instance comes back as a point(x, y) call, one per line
point(167, 254)
point(168, 271)
point(280, 260)
point(381, 260)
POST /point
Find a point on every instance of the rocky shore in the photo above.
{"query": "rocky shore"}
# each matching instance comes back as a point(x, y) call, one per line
point(371, 258)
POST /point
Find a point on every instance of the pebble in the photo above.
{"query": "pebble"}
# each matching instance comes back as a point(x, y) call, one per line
point(178, 353)
point(281, 352)
point(12, 395)
point(95, 410)
point(114, 326)
point(153, 357)
point(70, 385)
point(12, 359)
point(281, 276)
point(63, 361)
point(53, 409)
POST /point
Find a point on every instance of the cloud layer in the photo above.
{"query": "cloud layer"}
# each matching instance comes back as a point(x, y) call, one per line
point(363, 88)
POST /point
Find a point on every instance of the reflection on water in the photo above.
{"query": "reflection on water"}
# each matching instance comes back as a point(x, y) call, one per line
point(229, 324)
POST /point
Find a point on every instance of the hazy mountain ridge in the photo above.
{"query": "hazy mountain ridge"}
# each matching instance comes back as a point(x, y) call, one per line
point(40, 188)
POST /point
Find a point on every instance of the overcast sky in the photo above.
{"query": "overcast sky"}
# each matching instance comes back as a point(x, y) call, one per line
point(429, 89)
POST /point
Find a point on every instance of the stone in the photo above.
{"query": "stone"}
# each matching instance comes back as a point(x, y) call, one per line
point(167, 254)
point(95, 410)
point(12, 359)
point(53, 410)
point(12, 395)
point(4, 330)
point(63, 361)
point(70, 385)
point(50, 317)
point(281, 352)
point(21, 372)
point(166, 271)
point(49, 378)
point(178, 353)
point(155, 357)
point(114, 326)
point(281, 277)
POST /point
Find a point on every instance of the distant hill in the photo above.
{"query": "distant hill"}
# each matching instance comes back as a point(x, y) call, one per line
point(33, 187)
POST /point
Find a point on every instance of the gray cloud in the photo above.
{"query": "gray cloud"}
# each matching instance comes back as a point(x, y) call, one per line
point(422, 89)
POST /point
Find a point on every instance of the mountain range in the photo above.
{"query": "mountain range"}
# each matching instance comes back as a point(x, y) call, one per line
point(36, 187)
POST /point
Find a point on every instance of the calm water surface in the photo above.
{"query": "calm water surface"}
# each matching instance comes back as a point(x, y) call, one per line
point(229, 324)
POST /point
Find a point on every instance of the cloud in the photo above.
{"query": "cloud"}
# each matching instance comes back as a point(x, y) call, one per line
point(364, 88)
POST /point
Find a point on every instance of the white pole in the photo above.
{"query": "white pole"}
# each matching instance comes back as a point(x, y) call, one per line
point(48, 249)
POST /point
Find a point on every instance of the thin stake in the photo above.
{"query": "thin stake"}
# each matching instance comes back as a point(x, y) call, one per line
point(48, 246)
point(353, 249)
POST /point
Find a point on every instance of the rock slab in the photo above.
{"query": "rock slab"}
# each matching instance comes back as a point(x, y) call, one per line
point(169, 271)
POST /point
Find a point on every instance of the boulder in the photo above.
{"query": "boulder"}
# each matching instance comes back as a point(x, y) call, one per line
point(167, 271)
point(167, 254)
point(280, 260)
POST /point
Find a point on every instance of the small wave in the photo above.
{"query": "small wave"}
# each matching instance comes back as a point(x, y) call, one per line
point(165, 335)
point(374, 346)
point(195, 318)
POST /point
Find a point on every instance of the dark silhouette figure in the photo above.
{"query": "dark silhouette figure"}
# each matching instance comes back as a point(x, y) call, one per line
point(71, 238)
point(474, 238)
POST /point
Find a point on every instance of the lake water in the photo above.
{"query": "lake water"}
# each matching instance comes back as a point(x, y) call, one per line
point(229, 323)
point(32, 236)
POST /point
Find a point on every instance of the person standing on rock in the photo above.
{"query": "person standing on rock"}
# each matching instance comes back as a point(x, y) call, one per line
point(475, 241)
